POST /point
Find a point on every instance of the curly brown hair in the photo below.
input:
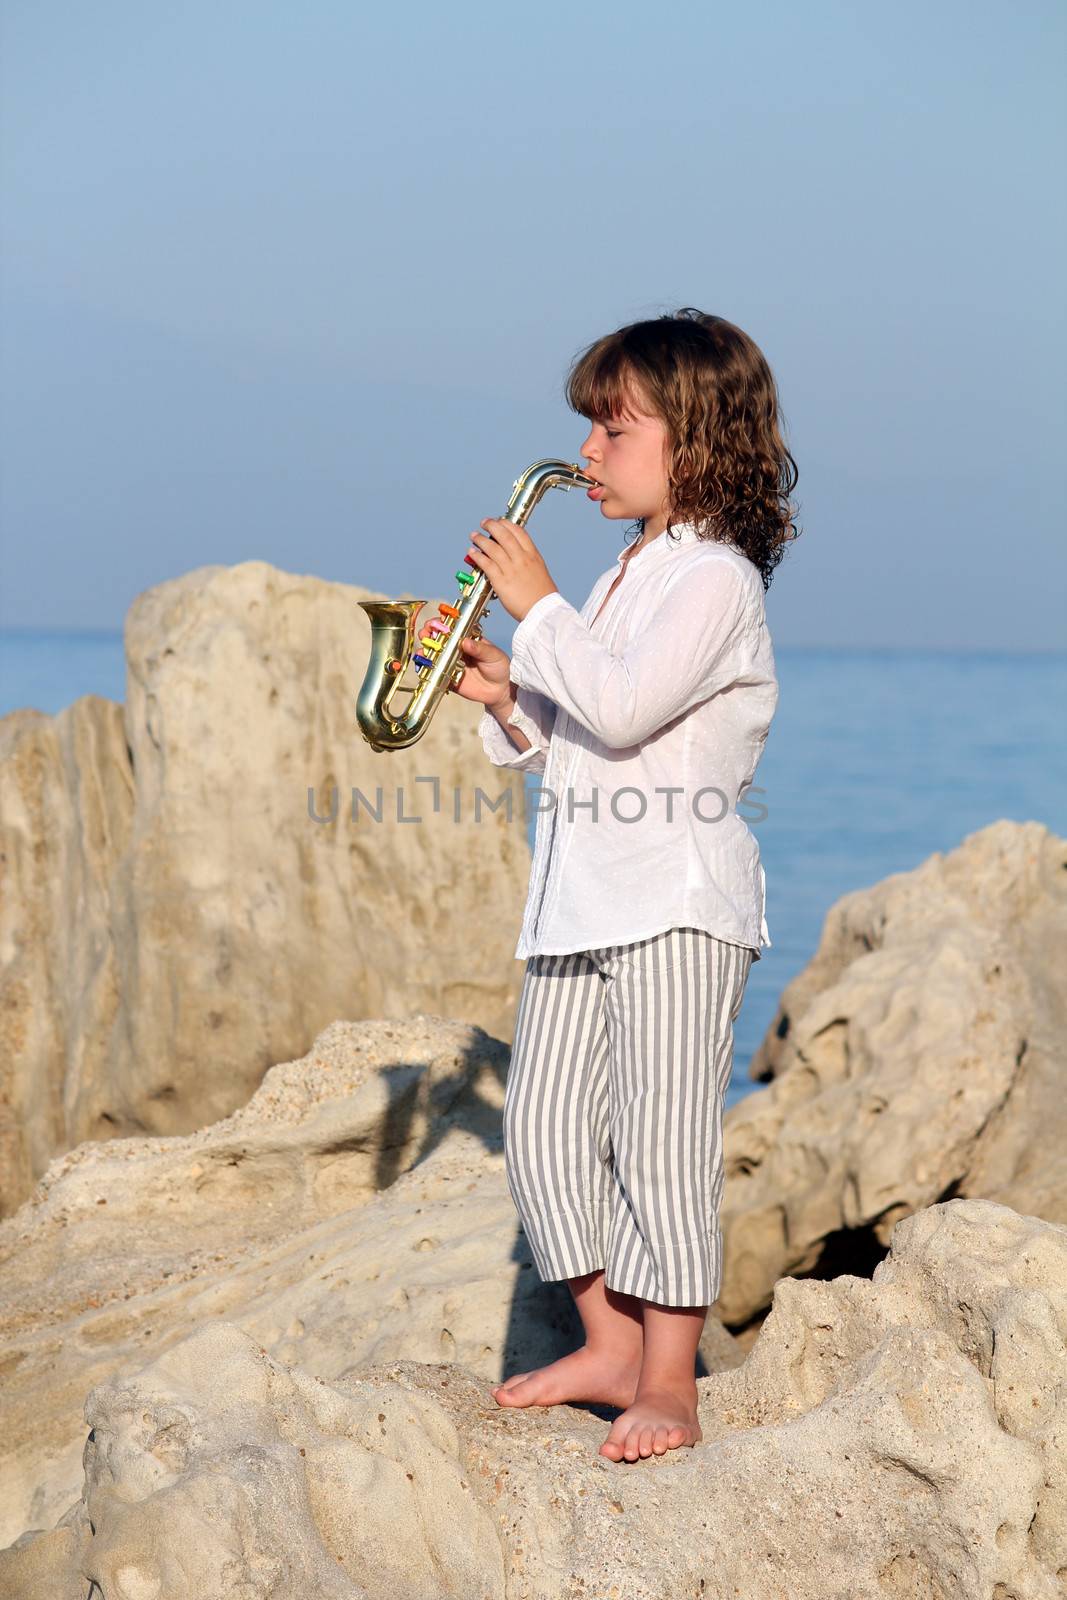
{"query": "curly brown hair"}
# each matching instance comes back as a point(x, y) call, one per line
point(728, 467)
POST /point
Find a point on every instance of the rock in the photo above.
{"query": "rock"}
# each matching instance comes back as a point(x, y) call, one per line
point(920, 1055)
point(66, 809)
point(126, 1245)
point(174, 921)
point(898, 1437)
point(356, 1210)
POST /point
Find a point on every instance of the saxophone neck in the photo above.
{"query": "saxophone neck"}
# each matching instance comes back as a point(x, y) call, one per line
point(537, 480)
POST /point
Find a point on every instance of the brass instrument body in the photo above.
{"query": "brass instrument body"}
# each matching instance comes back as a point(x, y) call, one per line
point(398, 645)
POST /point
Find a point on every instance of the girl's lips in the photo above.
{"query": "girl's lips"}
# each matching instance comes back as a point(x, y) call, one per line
point(595, 494)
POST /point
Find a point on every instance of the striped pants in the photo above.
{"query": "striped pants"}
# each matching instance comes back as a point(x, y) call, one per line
point(613, 1112)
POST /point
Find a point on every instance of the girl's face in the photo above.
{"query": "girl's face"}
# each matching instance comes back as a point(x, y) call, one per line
point(627, 455)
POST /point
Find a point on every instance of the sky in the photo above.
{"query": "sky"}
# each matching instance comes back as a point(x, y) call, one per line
point(302, 284)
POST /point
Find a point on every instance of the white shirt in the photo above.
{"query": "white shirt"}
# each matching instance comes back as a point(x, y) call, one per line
point(672, 688)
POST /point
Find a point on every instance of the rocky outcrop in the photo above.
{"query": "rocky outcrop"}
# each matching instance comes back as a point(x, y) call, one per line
point(127, 1245)
point(172, 918)
point(355, 1210)
point(920, 1055)
point(900, 1437)
point(66, 809)
point(255, 1359)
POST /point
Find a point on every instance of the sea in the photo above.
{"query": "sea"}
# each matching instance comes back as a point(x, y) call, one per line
point(876, 760)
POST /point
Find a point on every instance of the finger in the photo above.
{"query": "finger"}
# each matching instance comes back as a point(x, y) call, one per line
point(508, 533)
point(485, 555)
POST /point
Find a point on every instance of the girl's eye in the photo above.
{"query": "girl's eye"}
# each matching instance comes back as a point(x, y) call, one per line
point(612, 435)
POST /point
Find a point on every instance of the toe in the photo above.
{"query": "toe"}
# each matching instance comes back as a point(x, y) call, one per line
point(505, 1393)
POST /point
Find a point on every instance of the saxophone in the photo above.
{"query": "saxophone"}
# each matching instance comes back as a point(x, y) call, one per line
point(398, 644)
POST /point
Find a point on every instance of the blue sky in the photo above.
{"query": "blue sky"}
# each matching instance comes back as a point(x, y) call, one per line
point(302, 284)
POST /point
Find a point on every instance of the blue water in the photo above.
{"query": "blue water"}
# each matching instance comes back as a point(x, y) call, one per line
point(48, 669)
point(875, 760)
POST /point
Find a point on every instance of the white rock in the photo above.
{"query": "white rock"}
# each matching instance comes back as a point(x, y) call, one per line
point(173, 921)
point(870, 1446)
point(920, 1055)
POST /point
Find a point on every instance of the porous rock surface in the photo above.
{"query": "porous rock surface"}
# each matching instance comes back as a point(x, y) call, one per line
point(921, 1054)
point(173, 920)
point(286, 1324)
point(298, 1216)
point(355, 1210)
point(905, 1436)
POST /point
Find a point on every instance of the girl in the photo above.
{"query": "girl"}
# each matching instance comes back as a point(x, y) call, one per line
point(647, 711)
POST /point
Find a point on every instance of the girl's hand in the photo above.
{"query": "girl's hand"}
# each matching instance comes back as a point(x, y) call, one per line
point(487, 677)
point(513, 564)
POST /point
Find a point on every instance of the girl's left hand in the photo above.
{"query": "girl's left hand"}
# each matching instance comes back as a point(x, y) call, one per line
point(512, 563)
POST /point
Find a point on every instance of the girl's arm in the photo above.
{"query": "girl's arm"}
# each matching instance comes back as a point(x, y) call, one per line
point(699, 641)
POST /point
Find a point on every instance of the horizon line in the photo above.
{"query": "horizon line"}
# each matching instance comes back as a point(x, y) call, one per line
point(60, 630)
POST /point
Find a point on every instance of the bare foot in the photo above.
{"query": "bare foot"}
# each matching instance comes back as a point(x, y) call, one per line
point(597, 1376)
point(660, 1420)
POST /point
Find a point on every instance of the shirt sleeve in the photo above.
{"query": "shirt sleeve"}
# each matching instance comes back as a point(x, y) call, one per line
point(697, 642)
point(532, 715)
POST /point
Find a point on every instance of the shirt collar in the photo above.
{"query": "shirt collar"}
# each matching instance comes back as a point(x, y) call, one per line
point(682, 534)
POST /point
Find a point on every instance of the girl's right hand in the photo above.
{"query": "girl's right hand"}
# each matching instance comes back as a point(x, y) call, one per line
point(487, 674)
